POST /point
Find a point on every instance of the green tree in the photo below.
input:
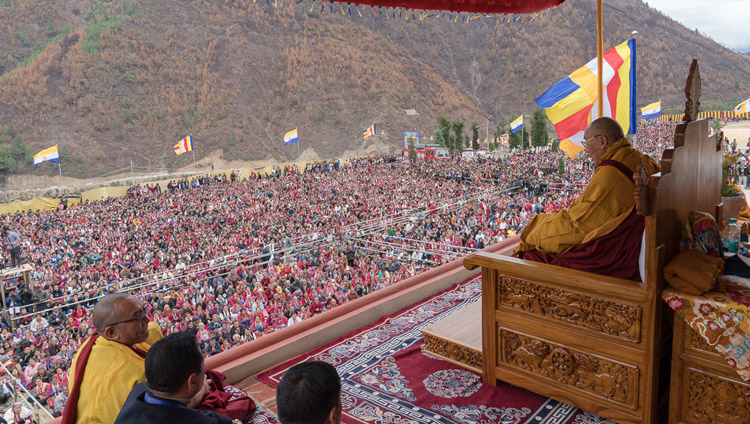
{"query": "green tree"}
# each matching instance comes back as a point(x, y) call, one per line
point(500, 129)
point(561, 167)
point(539, 134)
point(716, 125)
point(51, 30)
point(412, 153)
point(475, 136)
point(458, 135)
point(14, 156)
point(515, 140)
point(443, 132)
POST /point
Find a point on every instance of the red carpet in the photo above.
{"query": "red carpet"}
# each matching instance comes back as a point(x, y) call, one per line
point(387, 379)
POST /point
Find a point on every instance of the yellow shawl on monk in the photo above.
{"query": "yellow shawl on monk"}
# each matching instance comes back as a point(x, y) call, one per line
point(113, 369)
point(603, 205)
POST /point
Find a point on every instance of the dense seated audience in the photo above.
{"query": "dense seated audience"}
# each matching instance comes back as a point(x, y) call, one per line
point(233, 258)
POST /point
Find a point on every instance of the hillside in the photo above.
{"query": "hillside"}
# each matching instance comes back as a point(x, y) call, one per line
point(120, 81)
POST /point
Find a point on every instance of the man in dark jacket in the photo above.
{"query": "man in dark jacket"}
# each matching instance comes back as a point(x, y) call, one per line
point(175, 383)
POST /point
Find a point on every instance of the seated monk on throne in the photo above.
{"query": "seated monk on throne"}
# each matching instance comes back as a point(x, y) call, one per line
point(601, 231)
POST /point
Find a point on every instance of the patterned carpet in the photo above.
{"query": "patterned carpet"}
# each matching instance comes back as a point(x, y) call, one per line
point(386, 378)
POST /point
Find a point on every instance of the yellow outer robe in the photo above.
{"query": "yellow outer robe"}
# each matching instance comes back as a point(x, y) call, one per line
point(603, 205)
point(113, 369)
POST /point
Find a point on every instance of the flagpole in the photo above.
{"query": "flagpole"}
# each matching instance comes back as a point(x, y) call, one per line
point(60, 169)
point(659, 123)
point(194, 167)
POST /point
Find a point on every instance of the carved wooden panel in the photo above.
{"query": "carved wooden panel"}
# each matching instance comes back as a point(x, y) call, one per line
point(693, 341)
point(615, 319)
point(451, 350)
point(590, 373)
point(712, 398)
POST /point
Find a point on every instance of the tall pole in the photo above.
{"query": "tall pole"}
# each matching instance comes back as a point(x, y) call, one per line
point(194, 167)
point(60, 169)
point(132, 174)
point(487, 138)
point(599, 56)
point(659, 124)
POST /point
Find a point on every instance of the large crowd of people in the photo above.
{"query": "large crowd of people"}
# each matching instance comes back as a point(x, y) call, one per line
point(233, 258)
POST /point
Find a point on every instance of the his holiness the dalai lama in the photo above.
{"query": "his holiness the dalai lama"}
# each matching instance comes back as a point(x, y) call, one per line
point(600, 232)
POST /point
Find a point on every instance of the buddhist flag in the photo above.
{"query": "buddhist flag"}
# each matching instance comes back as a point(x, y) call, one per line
point(516, 125)
point(743, 107)
point(370, 131)
point(183, 146)
point(571, 104)
point(291, 137)
point(503, 139)
point(651, 111)
point(47, 155)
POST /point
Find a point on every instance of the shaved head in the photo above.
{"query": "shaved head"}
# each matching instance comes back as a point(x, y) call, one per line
point(608, 127)
point(108, 310)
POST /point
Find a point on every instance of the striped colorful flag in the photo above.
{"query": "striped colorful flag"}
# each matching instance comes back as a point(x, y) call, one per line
point(503, 139)
point(47, 155)
point(571, 104)
point(291, 137)
point(651, 111)
point(516, 125)
point(743, 107)
point(370, 131)
point(183, 146)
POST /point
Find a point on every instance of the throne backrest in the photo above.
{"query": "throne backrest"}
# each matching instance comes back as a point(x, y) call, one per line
point(690, 179)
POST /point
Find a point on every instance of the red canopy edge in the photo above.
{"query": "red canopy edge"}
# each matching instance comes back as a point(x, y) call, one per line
point(470, 6)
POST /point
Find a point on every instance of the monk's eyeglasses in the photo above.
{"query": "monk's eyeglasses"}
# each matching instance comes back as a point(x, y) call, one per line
point(138, 317)
point(585, 142)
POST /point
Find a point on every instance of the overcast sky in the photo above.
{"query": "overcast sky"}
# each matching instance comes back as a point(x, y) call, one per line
point(726, 21)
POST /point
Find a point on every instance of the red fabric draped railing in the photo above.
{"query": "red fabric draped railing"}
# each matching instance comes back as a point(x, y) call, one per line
point(471, 6)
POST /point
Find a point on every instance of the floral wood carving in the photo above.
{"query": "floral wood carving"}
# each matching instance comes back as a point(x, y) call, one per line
point(589, 373)
point(446, 349)
point(693, 92)
point(712, 399)
point(615, 319)
point(696, 342)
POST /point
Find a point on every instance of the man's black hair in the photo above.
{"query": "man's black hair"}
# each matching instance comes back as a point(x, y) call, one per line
point(307, 393)
point(171, 360)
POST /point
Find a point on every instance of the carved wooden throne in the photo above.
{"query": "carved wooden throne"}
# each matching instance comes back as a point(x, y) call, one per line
point(594, 341)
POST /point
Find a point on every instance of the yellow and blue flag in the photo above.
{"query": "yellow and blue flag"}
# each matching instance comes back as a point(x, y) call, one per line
point(651, 111)
point(571, 104)
point(291, 137)
point(183, 146)
point(370, 131)
point(47, 155)
point(743, 107)
point(516, 125)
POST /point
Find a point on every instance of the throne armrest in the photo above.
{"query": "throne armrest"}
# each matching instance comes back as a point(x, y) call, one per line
point(559, 277)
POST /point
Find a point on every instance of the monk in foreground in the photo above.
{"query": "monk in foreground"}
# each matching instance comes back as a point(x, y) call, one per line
point(600, 232)
point(110, 363)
